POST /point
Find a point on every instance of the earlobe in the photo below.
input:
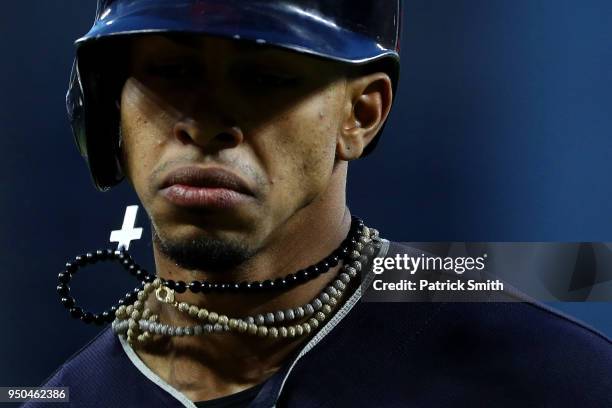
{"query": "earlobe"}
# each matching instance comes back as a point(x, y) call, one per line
point(366, 112)
point(348, 148)
point(350, 144)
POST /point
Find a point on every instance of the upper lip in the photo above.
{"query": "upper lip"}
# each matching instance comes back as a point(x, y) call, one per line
point(206, 177)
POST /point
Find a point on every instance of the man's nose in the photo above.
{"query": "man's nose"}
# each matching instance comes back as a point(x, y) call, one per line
point(206, 135)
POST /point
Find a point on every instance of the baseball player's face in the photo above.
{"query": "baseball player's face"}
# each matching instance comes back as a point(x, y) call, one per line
point(224, 141)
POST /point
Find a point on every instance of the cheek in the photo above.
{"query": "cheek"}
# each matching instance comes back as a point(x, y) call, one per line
point(141, 143)
point(305, 147)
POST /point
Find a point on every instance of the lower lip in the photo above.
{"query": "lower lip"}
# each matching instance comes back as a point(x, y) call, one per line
point(203, 197)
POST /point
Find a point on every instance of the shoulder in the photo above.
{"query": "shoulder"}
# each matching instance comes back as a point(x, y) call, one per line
point(506, 304)
point(514, 321)
point(518, 353)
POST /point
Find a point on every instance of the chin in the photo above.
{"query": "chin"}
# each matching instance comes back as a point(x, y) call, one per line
point(199, 249)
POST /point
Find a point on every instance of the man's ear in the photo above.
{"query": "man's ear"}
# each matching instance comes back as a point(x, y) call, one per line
point(368, 104)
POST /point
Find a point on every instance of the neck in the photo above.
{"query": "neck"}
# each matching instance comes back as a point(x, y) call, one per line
point(206, 367)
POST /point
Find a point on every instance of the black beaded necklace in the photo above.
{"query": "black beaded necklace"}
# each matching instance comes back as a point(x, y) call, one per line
point(342, 253)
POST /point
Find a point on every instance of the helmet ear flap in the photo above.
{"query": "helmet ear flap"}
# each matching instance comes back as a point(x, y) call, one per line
point(94, 117)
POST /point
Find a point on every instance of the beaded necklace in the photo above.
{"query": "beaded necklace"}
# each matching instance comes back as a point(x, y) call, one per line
point(138, 323)
point(349, 249)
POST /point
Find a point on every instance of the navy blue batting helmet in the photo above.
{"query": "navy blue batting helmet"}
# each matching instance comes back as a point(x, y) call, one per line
point(355, 32)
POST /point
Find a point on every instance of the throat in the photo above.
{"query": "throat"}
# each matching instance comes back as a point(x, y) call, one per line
point(212, 344)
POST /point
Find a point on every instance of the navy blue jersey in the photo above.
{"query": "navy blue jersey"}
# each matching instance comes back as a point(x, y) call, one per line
point(425, 354)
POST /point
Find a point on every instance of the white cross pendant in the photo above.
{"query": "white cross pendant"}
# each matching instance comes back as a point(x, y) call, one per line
point(127, 233)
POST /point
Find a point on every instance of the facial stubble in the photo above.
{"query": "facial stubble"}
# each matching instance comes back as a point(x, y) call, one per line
point(203, 253)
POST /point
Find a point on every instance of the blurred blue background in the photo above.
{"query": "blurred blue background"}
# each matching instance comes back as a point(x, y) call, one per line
point(501, 132)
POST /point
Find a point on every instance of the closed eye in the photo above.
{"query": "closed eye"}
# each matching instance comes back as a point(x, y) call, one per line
point(274, 80)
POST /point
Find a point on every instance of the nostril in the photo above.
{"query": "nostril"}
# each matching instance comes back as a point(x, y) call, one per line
point(189, 131)
point(225, 137)
point(183, 136)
